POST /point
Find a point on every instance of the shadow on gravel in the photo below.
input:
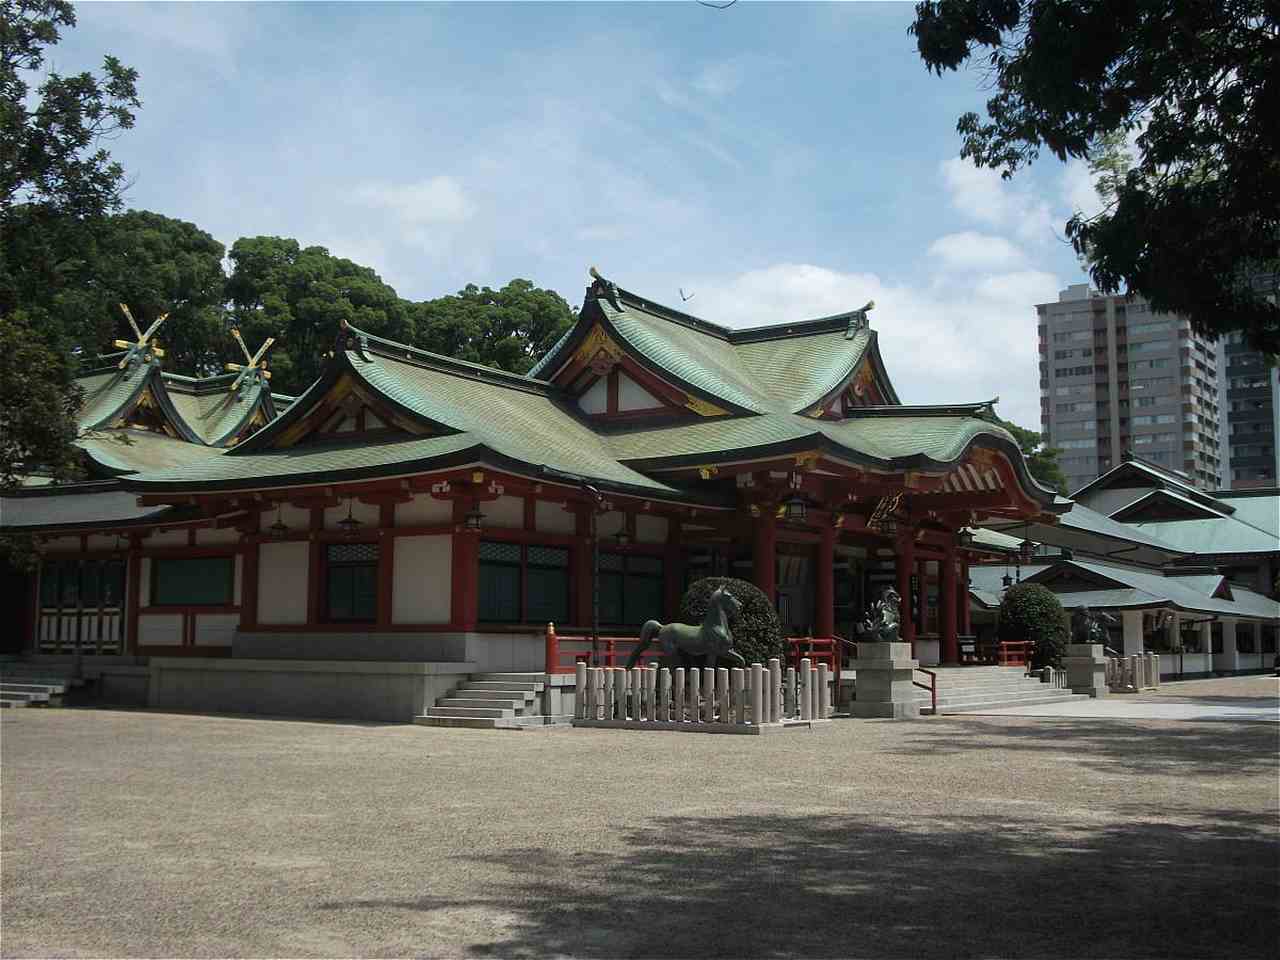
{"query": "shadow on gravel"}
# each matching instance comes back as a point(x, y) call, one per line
point(1198, 747)
point(850, 886)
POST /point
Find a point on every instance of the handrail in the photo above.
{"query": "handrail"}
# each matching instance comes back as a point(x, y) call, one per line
point(932, 687)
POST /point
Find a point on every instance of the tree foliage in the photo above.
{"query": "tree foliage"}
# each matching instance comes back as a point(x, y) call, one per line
point(1042, 460)
point(757, 631)
point(1029, 611)
point(1194, 225)
point(301, 295)
point(509, 328)
point(56, 187)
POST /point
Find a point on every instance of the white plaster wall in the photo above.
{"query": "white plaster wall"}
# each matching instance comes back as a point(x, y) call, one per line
point(170, 538)
point(282, 582)
point(144, 586)
point(366, 513)
point(553, 518)
point(504, 512)
point(596, 399)
point(632, 396)
point(422, 580)
point(296, 519)
point(208, 537)
point(216, 629)
point(651, 529)
point(424, 511)
point(610, 524)
point(160, 630)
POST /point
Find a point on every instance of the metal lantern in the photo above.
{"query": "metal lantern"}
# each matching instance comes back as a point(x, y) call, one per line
point(964, 537)
point(794, 509)
point(473, 519)
point(278, 529)
point(623, 538)
point(349, 524)
point(1026, 550)
point(1007, 581)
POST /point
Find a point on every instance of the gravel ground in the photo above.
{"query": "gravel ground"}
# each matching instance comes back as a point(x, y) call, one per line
point(145, 834)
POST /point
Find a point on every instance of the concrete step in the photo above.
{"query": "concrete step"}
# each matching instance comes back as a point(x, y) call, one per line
point(988, 690)
point(475, 723)
point(537, 678)
point(30, 696)
point(6, 702)
point(491, 712)
point(982, 706)
point(504, 685)
point(495, 702)
point(501, 690)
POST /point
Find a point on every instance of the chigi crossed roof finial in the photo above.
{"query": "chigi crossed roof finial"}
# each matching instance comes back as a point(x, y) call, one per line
point(257, 361)
point(143, 349)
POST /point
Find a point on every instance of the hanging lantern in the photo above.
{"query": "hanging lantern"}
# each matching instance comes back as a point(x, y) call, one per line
point(623, 538)
point(964, 537)
point(1007, 581)
point(1026, 550)
point(794, 509)
point(278, 529)
point(473, 519)
point(349, 524)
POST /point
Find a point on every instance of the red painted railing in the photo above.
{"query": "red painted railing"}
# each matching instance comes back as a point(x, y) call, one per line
point(564, 651)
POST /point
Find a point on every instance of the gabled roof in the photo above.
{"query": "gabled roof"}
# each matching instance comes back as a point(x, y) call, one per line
point(1224, 535)
point(783, 368)
point(1088, 531)
point(77, 505)
point(216, 414)
point(1134, 473)
point(1160, 505)
point(1128, 587)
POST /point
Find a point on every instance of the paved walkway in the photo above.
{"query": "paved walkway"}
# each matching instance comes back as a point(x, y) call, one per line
point(1255, 699)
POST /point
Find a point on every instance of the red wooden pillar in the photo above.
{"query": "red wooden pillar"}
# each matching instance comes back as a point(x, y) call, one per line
point(922, 597)
point(905, 567)
point(825, 612)
point(134, 586)
point(949, 648)
point(464, 600)
point(581, 559)
point(672, 570)
point(764, 555)
point(966, 624)
point(386, 561)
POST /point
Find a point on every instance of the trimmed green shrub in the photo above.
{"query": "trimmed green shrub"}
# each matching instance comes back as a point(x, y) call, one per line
point(1032, 612)
point(757, 632)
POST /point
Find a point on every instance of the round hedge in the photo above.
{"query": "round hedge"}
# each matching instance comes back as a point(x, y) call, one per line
point(757, 631)
point(1032, 612)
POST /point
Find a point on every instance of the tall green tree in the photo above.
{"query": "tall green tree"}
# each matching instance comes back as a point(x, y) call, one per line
point(301, 295)
point(510, 328)
point(56, 184)
point(1042, 460)
point(155, 265)
point(1195, 222)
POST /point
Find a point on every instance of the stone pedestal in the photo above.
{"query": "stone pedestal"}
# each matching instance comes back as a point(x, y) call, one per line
point(1086, 668)
point(883, 686)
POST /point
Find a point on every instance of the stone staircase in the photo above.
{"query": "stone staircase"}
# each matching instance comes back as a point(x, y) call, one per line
point(510, 701)
point(976, 689)
point(22, 691)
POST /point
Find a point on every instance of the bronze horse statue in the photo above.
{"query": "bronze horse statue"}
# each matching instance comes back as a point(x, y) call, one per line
point(711, 639)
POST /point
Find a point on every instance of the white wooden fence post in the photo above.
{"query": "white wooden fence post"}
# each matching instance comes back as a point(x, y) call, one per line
point(708, 694)
point(722, 689)
point(664, 694)
point(824, 693)
point(757, 693)
point(619, 692)
point(580, 690)
point(678, 694)
point(806, 683)
point(652, 681)
point(774, 706)
point(608, 693)
point(790, 707)
point(637, 698)
point(695, 695)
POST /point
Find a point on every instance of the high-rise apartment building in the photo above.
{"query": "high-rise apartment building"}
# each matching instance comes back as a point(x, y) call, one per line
point(1252, 417)
point(1117, 378)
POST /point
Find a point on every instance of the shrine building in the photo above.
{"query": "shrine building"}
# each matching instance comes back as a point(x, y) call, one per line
point(415, 509)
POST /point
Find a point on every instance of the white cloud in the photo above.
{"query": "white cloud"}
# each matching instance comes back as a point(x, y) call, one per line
point(434, 201)
point(970, 250)
point(981, 194)
point(946, 340)
point(720, 79)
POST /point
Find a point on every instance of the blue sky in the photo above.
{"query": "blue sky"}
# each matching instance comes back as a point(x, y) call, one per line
point(779, 161)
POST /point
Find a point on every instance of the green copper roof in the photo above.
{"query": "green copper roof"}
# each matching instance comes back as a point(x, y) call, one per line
point(107, 392)
point(1219, 536)
point(214, 413)
point(1145, 588)
point(129, 451)
point(69, 506)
